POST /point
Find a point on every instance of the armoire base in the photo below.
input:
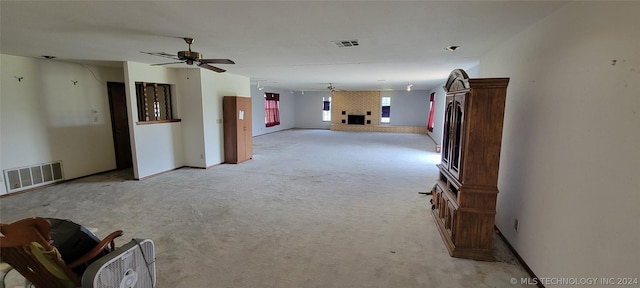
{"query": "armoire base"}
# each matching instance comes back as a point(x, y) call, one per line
point(458, 252)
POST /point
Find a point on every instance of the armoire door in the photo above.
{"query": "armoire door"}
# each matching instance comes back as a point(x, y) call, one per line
point(457, 146)
point(237, 129)
point(446, 142)
point(247, 130)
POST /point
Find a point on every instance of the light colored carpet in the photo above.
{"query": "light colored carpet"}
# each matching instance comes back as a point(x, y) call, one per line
point(313, 208)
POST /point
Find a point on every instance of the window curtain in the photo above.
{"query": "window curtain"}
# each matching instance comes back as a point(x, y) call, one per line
point(271, 113)
point(431, 112)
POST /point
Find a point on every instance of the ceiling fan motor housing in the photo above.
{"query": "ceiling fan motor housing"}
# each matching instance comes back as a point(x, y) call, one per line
point(189, 56)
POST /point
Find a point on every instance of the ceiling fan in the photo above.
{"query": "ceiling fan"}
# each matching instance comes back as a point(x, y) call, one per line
point(331, 87)
point(191, 57)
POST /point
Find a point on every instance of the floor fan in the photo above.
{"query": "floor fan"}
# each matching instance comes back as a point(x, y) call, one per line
point(129, 266)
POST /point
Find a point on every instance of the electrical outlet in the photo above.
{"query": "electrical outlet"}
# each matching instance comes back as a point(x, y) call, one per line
point(516, 225)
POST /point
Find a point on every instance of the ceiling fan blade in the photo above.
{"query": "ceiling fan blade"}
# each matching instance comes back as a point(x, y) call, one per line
point(161, 54)
point(160, 64)
point(212, 68)
point(217, 61)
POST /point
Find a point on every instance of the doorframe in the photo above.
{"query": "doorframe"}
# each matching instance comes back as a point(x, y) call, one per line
point(110, 84)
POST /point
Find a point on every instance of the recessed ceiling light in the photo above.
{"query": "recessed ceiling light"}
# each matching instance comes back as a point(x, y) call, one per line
point(452, 48)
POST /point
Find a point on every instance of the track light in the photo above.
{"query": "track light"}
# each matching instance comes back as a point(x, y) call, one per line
point(259, 87)
point(409, 87)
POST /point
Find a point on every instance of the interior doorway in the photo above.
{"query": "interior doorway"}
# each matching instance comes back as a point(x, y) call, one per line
point(120, 124)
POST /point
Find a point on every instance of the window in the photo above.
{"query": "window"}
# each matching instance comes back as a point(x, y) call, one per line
point(271, 113)
point(154, 102)
point(432, 108)
point(326, 109)
point(386, 110)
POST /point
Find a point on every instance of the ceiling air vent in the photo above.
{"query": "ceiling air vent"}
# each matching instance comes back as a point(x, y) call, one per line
point(346, 43)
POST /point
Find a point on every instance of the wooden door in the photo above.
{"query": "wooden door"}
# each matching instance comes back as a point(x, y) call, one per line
point(120, 124)
point(247, 129)
point(241, 114)
point(230, 117)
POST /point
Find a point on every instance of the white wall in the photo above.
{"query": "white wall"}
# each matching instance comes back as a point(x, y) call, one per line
point(155, 147)
point(570, 154)
point(408, 108)
point(308, 110)
point(189, 96)
point(287, 110)
point(45, 117)
point(195, 141)
point(214, 87)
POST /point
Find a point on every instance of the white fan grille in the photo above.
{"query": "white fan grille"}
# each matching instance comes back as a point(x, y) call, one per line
point(138, 261)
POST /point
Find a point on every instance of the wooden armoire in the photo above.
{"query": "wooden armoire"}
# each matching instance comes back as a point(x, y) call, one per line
point(464, 197)
point(238, 138)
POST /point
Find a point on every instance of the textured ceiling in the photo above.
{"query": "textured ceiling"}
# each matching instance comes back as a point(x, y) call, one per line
point(282, 44)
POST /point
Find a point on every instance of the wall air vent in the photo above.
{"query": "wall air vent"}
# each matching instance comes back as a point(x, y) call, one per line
point(346, 43)
point(22, 178)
